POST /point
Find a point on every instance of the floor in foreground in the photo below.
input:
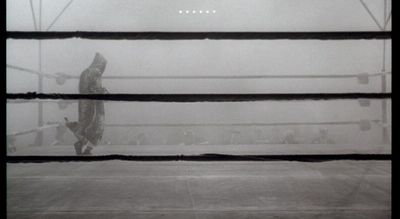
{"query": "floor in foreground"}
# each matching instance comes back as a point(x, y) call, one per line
point(130, 189)
point(204, 149)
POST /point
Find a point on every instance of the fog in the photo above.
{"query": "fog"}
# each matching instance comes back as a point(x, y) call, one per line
point(24, 116)
point(230, 15)
point(204, 58)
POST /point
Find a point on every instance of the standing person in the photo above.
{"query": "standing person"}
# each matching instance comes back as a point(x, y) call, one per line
point(189, 138)
point(259, 137)
point(323, 137)
point(288, 138)
point(90, 126)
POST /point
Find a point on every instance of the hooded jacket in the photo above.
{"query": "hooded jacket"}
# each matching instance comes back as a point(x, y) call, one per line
point(90, 79)
point(91, 112)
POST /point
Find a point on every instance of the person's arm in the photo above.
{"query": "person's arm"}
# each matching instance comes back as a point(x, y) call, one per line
point(97, 87)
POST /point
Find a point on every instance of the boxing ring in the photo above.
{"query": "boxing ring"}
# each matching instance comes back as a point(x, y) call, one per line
point(203, 180)
point(64, 101)
point(209, 169)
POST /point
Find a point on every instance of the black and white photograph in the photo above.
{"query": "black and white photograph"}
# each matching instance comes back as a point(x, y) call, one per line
point(198, 109)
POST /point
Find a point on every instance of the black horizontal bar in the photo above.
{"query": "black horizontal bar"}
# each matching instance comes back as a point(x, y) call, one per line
point(336, 35)
point(202, 157)
point(201, 97)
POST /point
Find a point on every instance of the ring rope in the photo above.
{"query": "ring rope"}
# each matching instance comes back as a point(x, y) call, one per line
point(56, 124)
point(72, 101)
point(32, 101)
point(201, 97)
point(31, 71)
point(206, 77)
point(376, 121)
point(31, 130)
point(157, 35)
point(239, 124)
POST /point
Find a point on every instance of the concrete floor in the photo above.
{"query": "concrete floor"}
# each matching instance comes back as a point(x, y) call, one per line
point(131, 189)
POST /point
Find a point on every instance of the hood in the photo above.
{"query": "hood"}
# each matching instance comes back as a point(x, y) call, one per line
point(99, 62)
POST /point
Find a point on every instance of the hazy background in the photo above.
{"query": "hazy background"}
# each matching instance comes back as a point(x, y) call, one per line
point(204, 57)
point(230, 15)
point(200, 58)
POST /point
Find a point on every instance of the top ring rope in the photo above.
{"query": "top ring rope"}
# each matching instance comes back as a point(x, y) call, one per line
point(335, 35)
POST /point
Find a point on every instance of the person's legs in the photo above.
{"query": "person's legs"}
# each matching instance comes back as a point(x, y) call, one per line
point(78, 147)
point(78, 129)
point(88, 149)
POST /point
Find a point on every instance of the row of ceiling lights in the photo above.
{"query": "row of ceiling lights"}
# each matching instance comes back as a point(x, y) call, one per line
point(194, 12)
